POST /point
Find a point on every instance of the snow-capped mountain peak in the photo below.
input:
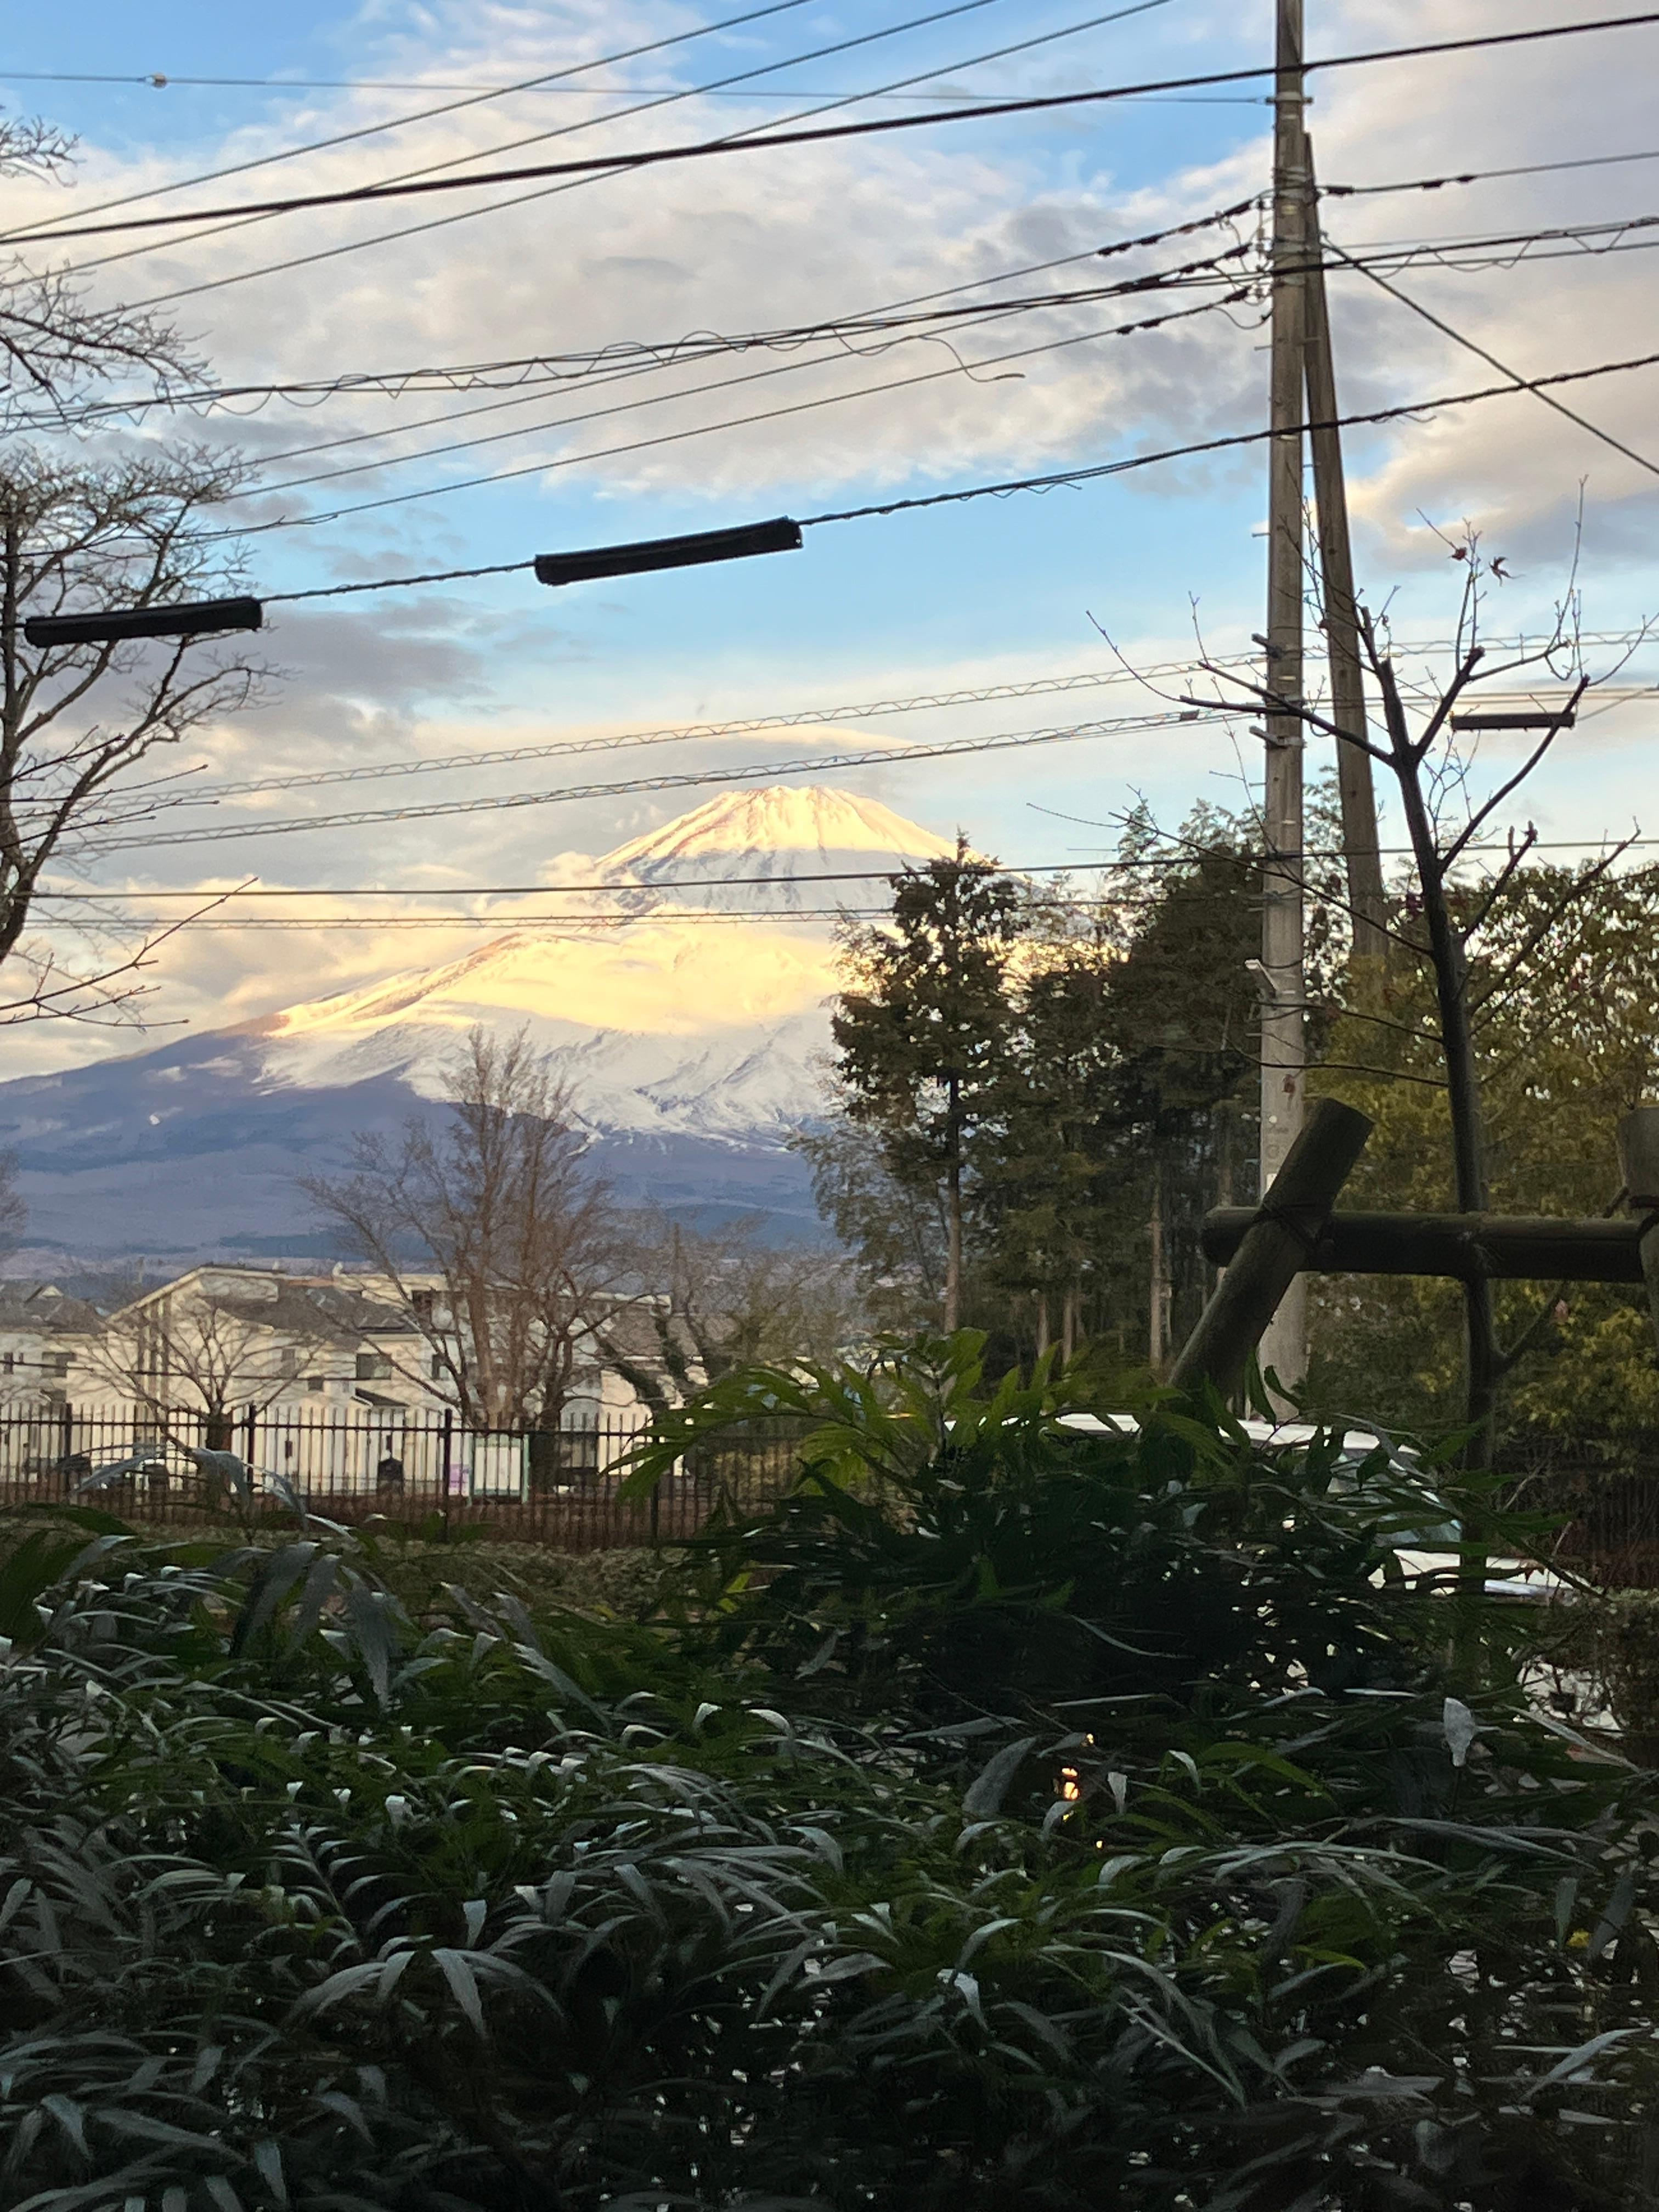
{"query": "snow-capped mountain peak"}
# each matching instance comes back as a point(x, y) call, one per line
point(689, 1041)
point(770, 837)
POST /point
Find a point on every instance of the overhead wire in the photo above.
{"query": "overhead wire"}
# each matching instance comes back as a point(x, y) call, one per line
point(477, 98)
point(1438, 323)
point(1125, 864)
point(957, 367)
point(701, 344)
point(1049, 480)
point(678, 733)
point(575, 182)
point(1152, 281)
point(550, 191)
point(656, 156)
point(1486, 176)
point(643, 107)
point(165, 80)
point(583, 365)
point(681, 780)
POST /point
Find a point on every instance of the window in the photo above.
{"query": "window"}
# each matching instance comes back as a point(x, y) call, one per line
point(316, 1381)
point(8, 1363)
point(289, 1362)
point(372, 1367)
point(423, 1302)
point(55, 1363)
point(438, 1369)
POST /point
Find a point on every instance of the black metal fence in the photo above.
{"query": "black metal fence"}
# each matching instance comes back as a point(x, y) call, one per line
point(413, 1470)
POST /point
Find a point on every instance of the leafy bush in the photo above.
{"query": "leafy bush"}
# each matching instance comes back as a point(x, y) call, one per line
point(1012, 1819)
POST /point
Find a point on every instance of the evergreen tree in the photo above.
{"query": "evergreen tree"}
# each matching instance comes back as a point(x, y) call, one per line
point(922, 1034)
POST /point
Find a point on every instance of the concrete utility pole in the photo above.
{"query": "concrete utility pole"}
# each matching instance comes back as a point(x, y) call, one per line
point(1353, 765)
point(1284, 1346)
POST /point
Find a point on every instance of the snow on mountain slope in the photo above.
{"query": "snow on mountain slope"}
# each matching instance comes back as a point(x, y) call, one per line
point(689, 1044)
point(661, 1021)
point(773, 836)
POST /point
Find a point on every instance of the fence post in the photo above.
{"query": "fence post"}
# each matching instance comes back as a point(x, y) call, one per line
point(1638, 1163)
point(247, 1446)
point(449, 1438)
point(67, 1435)
point(1294, 1209)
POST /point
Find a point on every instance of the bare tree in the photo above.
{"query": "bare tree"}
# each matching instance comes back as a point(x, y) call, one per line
point(501, 1205)
point(77, 720)
point(714, 1300)
point(210, 1354)
point(1452, 903)
point(53, 342)
point(80, 535)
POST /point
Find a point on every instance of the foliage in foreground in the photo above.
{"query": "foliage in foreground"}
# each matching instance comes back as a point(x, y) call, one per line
point(1016, 1818)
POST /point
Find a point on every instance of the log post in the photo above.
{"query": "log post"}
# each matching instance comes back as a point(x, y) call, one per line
point(1638, 1163)
point(1284, 1231)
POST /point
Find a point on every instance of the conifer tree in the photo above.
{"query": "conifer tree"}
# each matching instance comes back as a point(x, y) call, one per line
point(922, 1032)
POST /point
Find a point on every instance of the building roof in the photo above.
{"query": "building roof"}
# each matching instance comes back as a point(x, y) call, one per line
point(41, 1309)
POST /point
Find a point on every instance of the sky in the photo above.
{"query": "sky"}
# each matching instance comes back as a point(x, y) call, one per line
point(1110, 577)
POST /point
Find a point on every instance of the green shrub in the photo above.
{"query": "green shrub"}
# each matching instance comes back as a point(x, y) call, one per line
point(778, 1900)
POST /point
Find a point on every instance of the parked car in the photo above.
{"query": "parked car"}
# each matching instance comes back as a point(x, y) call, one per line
point(1427, 1555)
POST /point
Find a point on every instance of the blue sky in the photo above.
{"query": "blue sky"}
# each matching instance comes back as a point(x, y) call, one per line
point(995, 590)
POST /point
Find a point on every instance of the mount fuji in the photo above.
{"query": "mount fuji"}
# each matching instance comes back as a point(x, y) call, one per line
point(684, 1001)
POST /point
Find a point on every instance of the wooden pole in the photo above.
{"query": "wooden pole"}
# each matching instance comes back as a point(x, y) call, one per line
point(1284, 1043)
point(1508, 1247)
point(1638, 1163)
point(1158, 1331)
point(1354, 764)
point(1272, 1251)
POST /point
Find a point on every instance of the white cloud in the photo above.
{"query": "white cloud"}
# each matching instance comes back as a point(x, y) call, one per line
point(734, 245)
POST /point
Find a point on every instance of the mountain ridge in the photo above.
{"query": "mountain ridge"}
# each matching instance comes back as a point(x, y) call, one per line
point(689, 1042)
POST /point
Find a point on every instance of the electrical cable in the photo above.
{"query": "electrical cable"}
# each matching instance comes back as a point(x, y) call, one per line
point(694, 346)
point(684, 779)
point(426, 114)
point(1369, 416)
point(701, 345)
point(1486, 176)
point(958, 367)
point(1130, 865)
point(693, 732)
point(163, 81)
point(431, 169)
point(651, 157)
point(1046, 482)
point(749, 726)
point(1491, 359)
point(573, 183)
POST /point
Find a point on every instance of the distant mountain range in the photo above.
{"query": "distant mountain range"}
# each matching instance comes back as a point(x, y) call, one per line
point(684, 1001)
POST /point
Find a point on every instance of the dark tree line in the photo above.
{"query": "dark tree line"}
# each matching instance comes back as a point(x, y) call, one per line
point(1037, 1093)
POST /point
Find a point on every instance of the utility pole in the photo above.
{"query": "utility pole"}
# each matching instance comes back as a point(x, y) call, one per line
point(1354, 764)
point(1284, 1050)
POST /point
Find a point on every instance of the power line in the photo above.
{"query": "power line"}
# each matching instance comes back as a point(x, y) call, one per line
point(426, 114)
point(1134, 864)
point(629, 355)
point(749, 725)
point(651, 157)
point(970, 369)
point(1484, 176)
point(1373, 417)
point(736, 77)
point(164, 81)
point(684, 779)
point(548, 192)
point(1492, 360)
point(979, 311)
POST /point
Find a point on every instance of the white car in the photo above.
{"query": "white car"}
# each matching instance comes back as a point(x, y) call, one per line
point(1420, 1560)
